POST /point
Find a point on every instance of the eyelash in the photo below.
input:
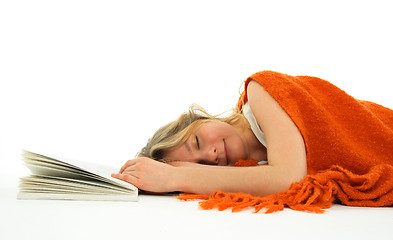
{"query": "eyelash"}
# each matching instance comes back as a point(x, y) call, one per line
point(197, 141)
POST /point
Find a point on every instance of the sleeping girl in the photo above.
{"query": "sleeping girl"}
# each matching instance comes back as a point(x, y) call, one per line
point(289, 133)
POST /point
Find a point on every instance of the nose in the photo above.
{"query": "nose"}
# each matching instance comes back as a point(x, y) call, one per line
point(212, 155)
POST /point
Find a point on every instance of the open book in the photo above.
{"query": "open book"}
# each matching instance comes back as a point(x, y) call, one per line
point(71, 180)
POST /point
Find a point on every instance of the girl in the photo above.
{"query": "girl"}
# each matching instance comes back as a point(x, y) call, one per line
point(292, 126)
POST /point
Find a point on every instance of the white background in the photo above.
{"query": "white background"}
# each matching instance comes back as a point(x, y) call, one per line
point(92, 80)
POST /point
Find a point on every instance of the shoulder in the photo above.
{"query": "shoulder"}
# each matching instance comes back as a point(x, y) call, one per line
point(267, 111)
point(266, 78)
point(284, 141)
point(255, 88)
point(263, 106)
point(269, 79)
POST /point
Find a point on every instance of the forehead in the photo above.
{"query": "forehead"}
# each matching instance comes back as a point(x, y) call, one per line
point(208, 124)
point(198, 126)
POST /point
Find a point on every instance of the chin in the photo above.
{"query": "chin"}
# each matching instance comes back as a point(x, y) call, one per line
point(231, 162)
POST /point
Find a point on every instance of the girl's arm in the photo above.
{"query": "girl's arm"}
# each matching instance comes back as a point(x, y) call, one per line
point(150, 175)
point(259, 180)
point(285, 145)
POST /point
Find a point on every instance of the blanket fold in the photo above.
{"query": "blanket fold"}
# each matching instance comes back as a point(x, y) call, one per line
point(349, 147)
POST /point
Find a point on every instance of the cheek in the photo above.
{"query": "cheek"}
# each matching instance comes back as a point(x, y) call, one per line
point(180, 153)
point(239, 148)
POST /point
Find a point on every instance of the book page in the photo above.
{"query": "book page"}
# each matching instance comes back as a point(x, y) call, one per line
point(62, 167)
point(72, 183)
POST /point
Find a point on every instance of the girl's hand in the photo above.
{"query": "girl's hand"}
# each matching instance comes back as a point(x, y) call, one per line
point(149, 175)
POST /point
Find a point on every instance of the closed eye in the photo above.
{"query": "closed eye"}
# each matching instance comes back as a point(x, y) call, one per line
point(197, 141)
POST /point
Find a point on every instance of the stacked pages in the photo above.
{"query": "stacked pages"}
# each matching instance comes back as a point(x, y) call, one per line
point(71, 180)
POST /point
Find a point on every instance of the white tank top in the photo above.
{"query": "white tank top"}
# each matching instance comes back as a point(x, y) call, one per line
point(254, 127)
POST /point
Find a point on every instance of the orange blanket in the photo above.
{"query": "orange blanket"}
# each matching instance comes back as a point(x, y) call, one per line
point(349, 146)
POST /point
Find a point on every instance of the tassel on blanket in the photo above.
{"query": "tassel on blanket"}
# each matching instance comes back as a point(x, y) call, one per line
point(314, 194)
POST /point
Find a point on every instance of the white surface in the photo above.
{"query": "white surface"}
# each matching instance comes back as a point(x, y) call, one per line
point(92, 80)
point(165, 217)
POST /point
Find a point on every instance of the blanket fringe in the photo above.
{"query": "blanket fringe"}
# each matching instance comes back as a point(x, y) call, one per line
point(314, 194)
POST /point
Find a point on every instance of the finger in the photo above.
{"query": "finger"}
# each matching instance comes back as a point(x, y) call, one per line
point(127, 178)
point(129, 170)
point(115, 175)
point(127, 164)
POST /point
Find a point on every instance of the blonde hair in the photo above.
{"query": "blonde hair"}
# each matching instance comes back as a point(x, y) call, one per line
point(176, 133)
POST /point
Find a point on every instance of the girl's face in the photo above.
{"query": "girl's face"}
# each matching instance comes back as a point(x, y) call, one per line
point(213, 143)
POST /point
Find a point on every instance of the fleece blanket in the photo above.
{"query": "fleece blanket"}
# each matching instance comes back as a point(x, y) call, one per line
point(349, 147)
